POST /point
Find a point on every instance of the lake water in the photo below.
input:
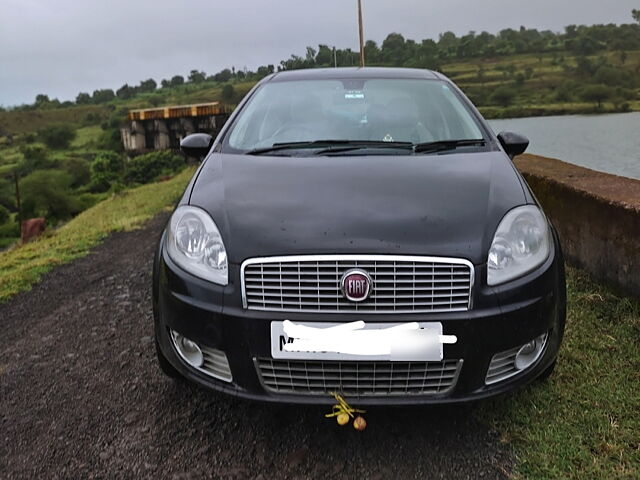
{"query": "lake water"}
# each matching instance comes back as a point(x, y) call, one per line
point(608, 143)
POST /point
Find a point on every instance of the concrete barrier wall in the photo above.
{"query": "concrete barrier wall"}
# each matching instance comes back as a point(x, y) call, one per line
point(596, 214)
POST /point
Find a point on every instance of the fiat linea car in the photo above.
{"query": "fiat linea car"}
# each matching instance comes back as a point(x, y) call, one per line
point(360, 231)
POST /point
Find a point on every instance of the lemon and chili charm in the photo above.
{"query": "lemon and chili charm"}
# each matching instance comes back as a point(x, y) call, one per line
point(344, 412)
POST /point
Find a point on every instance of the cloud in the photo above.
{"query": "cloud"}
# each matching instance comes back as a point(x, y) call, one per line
point(62, 47)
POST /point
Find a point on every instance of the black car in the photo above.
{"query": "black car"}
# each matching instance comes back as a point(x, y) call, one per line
point(360, 231)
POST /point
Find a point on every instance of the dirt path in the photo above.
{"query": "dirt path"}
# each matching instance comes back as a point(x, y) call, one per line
point(81, 396)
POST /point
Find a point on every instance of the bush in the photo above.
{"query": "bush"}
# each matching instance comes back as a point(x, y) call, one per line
point(564, 93)
point(47, 193)
point(36, 157)
point(107, 168)
point(504, 96)
point(57, 136)
point(110, 140)
point(595, 93)
point(79, 171)
point(4, 215)
point(228, 92)
point(148, 167)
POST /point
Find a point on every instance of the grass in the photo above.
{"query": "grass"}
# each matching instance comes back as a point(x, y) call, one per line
point(584, 422)
point(23, 266)
point(86, 136)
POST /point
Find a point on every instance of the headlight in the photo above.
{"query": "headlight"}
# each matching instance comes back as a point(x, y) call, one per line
point(195, 244)
point(521, 243)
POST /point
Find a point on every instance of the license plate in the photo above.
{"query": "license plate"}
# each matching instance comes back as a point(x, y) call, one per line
point(412, 341)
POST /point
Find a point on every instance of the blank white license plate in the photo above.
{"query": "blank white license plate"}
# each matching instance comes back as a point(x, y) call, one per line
point(375, 341)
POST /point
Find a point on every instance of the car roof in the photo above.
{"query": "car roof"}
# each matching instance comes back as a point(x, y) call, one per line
point(354, 72)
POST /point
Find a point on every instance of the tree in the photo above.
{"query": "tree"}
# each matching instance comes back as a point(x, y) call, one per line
point(106, 170)
point(4, 215)
point(79, 171)
point(148, 86)
point(197, 77)
point(371, 52)
point(177, 80)
point(393, 49)
point(503, 96)
point(636, 15)
point(103, 95)
point(595, 93)
point(227, 92)
point(57, 136)
point(47, 193)
point(83, 98)
point(223, 76)
point(125, 92)
point(42, 99)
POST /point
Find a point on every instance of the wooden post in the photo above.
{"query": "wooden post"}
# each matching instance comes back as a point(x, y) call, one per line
point(18, 203)
point(361, 33)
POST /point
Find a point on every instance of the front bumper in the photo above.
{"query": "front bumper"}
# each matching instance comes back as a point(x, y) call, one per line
point(501, 319)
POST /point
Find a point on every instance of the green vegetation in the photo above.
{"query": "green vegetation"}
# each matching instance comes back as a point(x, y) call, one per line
point(57, 136)
point(22, 267)
point(583, 421)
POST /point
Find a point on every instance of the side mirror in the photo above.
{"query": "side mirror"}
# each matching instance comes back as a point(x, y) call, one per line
point(196, 145)
point(513, 143)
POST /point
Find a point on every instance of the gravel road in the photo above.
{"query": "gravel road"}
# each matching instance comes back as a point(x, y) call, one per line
point(81, 396)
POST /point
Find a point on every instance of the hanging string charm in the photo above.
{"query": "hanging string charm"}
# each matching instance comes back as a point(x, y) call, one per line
point(343, 412)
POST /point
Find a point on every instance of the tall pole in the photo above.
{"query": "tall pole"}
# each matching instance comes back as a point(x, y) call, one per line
point(18, 203)
point(361, 33)
point(335, 58)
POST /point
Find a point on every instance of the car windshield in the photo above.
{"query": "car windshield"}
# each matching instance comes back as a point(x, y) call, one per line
point(382, 112)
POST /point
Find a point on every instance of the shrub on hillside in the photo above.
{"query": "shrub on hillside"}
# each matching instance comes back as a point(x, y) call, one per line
point(57, 136)
point(78, 169)
point(4, 215)
point(148, 167)
point(107, 169)
point(228, 92)
point(596, 94)
point(504, 96)
point(47, 193)
point(36, 157)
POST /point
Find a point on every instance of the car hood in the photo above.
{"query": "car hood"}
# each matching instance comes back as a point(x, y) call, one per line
point(437, 205)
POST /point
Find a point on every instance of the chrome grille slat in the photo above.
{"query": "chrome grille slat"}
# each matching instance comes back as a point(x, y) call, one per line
point(402, 284)
point(358, 379)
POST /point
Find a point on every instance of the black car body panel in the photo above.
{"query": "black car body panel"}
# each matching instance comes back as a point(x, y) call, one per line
point(436, 205)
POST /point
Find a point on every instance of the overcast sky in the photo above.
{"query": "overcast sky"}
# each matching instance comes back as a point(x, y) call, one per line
point(62, 47)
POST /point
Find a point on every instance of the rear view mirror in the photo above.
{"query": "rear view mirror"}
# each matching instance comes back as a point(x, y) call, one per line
point(196, 145)
point(513, 143)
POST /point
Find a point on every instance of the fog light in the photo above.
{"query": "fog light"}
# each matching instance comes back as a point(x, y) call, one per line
point(188, 349)
point(530, 352)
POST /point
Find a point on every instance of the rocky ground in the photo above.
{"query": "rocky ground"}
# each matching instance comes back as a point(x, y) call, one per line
point(81, 396)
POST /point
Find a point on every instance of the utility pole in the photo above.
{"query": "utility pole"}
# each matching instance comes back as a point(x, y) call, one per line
point(361, 33)
point(18, 203)
point(335, 58)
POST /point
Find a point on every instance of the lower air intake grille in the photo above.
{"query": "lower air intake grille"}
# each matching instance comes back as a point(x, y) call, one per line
point(502, 366)
point(216, 363)
point(358, 379)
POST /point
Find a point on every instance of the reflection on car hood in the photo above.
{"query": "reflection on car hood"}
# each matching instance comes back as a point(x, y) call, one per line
point(439, 205)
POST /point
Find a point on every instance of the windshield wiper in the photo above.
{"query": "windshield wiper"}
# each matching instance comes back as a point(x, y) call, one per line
point(329, 146)
point(442, 145)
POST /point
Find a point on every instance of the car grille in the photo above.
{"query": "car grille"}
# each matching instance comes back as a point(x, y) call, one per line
point(400, 284)
point(502, 366)
point(358, 379)
point(216, 363)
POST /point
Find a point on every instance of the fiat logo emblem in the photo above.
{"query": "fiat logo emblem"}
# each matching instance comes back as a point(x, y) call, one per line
point(356, 285)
